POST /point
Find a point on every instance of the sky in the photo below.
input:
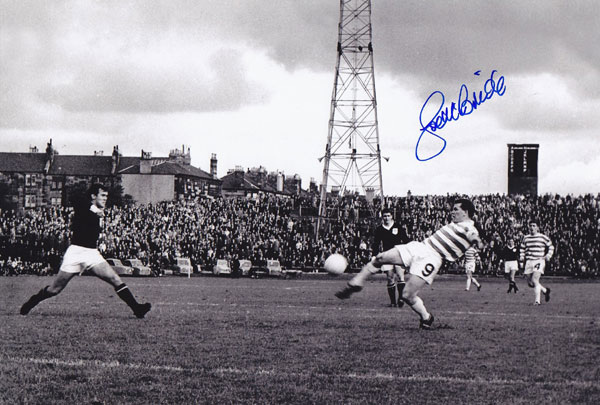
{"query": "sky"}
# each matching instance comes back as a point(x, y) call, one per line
point(252, 81)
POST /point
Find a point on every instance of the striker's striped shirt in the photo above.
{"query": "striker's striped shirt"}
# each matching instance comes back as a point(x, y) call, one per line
point(451, 241)
point(536, 246)
point(471, 255)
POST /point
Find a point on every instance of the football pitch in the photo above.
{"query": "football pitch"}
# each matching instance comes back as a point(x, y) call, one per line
point(270, 341)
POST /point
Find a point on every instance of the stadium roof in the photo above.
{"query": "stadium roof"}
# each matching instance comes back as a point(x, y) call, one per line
point(91, 165)
point(252, 181)
point(173, 168)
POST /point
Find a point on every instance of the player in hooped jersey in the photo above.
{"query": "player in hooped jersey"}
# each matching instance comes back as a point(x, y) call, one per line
point(424, 259)
point(536, 250)
point(388, 235)
point(83, 255)
point(471, 256)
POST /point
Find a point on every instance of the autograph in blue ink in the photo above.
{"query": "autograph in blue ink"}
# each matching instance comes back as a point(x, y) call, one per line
point(464, 106)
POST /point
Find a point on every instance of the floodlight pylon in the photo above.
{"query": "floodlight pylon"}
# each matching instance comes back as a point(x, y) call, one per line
point(352, 159)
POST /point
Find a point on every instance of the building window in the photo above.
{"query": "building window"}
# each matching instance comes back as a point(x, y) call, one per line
point(28, 180)
point(56, 201)
point(30, 201)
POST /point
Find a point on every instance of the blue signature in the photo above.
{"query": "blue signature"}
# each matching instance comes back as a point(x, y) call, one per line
point(464, 106)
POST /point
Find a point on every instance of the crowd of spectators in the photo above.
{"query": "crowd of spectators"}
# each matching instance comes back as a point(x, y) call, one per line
point(283, 228)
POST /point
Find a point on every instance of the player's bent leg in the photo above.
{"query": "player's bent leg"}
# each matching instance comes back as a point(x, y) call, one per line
point(530, 283)
point(106, 273)
point(536, 279)
point(391, 256)
point(58, 284)
point(409, 295)
point(477, 283)
point(539, 288)
point(357, 282)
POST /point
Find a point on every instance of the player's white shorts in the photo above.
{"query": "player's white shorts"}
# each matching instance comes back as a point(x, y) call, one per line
point(470, 267)
point(79, 258)
point(421, 260)
point(511, 265)
point(535, 265)
point(387, 267)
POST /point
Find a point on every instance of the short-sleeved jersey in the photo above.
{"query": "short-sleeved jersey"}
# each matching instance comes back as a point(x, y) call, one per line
point(509, 254)
point(86, 228)
point(388, 237)
point(536, 246)
point(452, 240)
point(471, 255)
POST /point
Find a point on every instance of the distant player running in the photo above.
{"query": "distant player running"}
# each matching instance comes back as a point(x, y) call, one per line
point(424, 259)
point(388, 235)
point(83, 255)
point(471, 256)
point(536, 250)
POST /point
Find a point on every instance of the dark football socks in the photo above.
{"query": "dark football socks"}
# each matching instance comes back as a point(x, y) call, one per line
point(392, 293)
point(401, 285)
point(36, 299)
point(125, 294)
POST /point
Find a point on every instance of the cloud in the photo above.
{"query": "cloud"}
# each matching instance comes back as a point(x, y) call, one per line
point(243, 78)
point(133, 85)
point(449, 41)
point(546, 103)
point(572, 177)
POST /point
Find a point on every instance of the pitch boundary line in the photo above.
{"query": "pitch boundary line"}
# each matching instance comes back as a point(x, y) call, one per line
point(80, 363)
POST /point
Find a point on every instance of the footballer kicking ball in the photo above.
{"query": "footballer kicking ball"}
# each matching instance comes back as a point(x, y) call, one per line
point(336, 264)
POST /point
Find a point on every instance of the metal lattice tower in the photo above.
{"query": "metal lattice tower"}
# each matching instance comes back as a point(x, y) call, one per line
point(352, 160)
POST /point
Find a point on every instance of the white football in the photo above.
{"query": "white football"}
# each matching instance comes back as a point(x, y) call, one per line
point(335, 264)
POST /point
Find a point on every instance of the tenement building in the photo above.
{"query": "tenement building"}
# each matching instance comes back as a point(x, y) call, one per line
point(33, 179)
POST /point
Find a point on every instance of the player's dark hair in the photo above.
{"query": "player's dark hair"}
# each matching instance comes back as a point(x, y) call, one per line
point(95, 189)
point(386, 211)
point(466, 205)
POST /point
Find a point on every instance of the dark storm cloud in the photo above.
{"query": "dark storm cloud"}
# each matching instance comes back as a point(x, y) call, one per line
point(66, 55)
point(429, 45)
point(453, 39)
point(435, 41)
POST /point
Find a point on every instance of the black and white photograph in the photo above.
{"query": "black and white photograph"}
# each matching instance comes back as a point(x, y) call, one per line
point(299, 202)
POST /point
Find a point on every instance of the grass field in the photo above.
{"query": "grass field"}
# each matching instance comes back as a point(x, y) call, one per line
point(220, 340)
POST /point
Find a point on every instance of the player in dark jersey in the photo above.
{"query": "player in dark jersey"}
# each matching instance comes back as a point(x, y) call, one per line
point(83, 255)
point(387, 235)
point(510, 256)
